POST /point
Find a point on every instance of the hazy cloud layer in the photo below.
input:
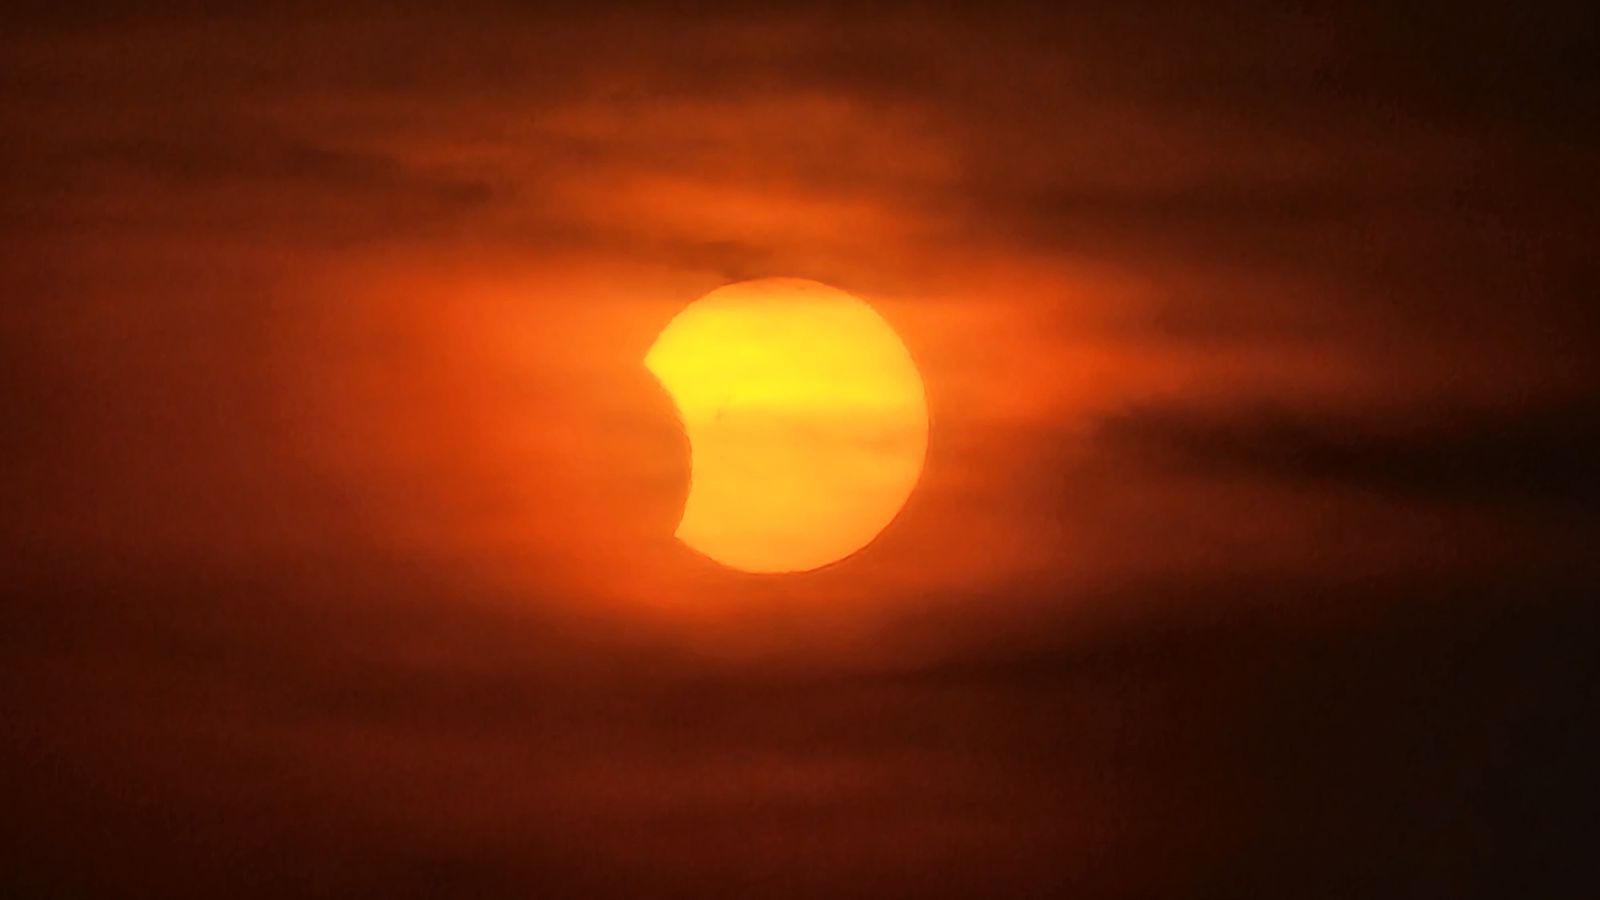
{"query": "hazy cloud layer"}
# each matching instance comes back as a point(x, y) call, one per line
point(1253, 556)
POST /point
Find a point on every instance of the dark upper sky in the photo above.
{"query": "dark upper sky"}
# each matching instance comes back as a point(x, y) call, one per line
point(1253, 556)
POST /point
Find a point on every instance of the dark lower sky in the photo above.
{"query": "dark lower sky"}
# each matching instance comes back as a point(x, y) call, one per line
point(1253, 555)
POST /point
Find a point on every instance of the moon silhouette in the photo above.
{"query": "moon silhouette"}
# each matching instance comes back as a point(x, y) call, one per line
point(806, 418)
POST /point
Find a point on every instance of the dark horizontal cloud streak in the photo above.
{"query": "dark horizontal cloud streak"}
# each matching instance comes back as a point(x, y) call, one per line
point(1541, 458)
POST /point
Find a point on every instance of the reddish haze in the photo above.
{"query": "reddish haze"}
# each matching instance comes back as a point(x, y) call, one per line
point(1252, 556)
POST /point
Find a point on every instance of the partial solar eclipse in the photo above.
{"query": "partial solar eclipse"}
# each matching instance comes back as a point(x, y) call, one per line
point(806, 419)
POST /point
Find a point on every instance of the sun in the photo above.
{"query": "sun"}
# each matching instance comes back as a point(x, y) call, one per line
point(806, 417)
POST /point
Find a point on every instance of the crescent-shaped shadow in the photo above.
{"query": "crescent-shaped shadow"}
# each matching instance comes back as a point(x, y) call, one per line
point(661, 459)
point(621, 470)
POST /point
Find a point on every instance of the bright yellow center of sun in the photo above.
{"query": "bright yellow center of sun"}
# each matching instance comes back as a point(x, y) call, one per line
point(806, 419)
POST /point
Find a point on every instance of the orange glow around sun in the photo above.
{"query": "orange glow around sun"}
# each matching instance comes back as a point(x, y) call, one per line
point(806, 419)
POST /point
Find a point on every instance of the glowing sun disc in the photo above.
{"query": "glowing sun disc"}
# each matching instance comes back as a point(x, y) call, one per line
point(806, 418)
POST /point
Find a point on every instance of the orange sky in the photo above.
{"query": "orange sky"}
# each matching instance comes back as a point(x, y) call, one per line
point(330, 449)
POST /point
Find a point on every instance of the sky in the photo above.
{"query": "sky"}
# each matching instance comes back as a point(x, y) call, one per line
point(1252, 556)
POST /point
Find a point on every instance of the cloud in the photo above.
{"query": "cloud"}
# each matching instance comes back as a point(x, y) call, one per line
point(1539, 457)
